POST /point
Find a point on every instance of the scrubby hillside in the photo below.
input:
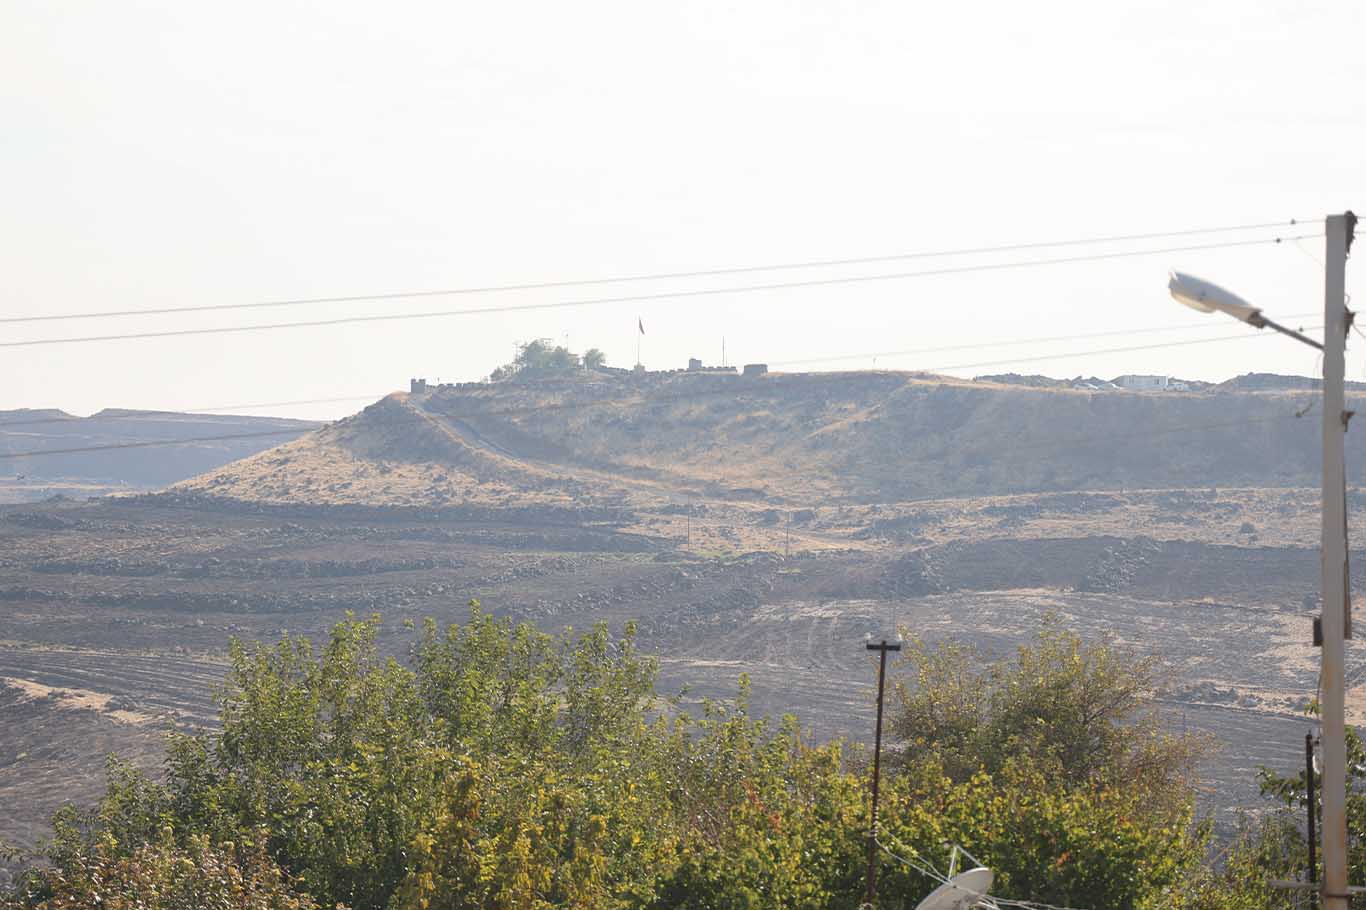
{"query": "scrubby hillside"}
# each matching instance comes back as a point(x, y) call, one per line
point(788, 440)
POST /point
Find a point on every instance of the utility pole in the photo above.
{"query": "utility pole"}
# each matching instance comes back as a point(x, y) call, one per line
point(1312, 812)
point(1334, 624)
point(882, 648)
point(1336, 605)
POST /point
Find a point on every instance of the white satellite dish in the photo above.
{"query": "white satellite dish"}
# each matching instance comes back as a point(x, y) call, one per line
point(961, 892)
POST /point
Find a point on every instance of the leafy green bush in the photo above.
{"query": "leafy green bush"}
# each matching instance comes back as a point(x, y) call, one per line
point(164, 875)
point(1081, 711)
point(502, 767)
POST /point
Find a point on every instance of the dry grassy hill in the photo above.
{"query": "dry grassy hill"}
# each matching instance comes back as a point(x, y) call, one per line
point(784, 440)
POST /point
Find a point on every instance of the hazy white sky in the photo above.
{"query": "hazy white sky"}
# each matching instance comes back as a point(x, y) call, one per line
point(174, 153)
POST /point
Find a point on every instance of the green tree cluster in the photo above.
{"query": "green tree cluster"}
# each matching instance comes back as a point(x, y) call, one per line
point(166, 875)
point(544, 358)
point(502, 768)
point(1080, 712)
point(1271, 846)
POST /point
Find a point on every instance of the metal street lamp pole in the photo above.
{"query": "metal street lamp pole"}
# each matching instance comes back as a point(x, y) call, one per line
point(1336, 625)
point(1335, 616)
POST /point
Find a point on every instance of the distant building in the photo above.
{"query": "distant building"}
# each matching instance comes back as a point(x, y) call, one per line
point(755, 369)
point(695, 366)
point(1134, 382)
point(417, 386)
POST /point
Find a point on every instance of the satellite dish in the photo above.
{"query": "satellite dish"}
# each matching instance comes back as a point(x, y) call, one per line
point(960, 892)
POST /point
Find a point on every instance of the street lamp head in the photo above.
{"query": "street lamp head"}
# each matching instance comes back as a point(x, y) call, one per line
point(1207, 297)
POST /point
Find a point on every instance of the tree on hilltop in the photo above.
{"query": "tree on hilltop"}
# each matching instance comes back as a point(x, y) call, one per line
point(541, 357)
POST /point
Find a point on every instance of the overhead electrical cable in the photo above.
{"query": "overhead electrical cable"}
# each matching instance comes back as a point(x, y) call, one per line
point(152, 443)
point(223, 410)
point(835, 358)
point(643, 298)
point(660, 276)
point(930, 872)
point(162, 415)
point(1069, 354)
point(228, 410)
point(690, 395)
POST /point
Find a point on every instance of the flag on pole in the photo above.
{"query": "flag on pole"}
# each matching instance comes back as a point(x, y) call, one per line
point(641, 325)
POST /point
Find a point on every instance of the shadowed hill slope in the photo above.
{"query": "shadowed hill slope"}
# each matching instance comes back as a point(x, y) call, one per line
point(105, 467)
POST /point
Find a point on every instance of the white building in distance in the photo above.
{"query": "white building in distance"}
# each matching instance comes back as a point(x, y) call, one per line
point(1138, 383)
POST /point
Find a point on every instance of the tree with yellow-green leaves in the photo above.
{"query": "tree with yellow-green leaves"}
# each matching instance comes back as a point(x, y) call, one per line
point(502, 768)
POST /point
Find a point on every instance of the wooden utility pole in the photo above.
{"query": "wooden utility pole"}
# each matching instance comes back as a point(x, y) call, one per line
point(882, 648)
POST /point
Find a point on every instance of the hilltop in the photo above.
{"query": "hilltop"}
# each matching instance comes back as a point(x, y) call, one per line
point(787, 441)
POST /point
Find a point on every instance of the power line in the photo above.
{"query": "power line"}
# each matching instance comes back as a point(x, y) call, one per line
point(645, 298)
point(225, 409)
point(151, 443)
point(930, 872)
point(1008, 343)
point(162, 415)
point(1120, 350)
point(214, 411)
point(658, 276)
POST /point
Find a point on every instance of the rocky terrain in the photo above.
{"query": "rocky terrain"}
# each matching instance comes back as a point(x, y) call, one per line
point(760, 526)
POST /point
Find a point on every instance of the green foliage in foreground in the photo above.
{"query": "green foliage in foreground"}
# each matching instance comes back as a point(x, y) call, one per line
point(1080, 712)
point(501, 767)
point(1272, 847)
point(164, 875)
